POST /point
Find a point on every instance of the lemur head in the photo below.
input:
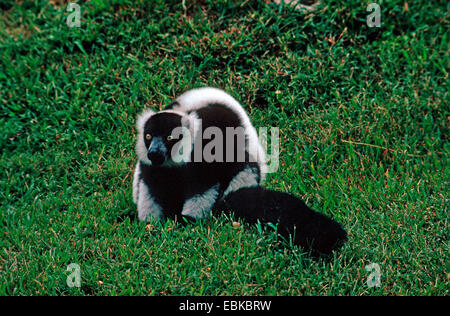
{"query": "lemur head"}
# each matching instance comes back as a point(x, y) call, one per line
point(164, 138)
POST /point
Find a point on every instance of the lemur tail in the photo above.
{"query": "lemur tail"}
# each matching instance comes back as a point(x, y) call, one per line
point(308, 229)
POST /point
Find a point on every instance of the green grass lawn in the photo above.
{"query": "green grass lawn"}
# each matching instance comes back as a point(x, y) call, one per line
point(364, 130)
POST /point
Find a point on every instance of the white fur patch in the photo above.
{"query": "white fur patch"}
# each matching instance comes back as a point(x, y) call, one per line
point(195, 99)
point(141, 150)
point(199, 206)
point(244, 179)
point(187, 133)
point(137, 174)
point(193, 123)
point(148, 209)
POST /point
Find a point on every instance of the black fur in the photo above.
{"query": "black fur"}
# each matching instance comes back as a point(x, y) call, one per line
point(162, 124)
point(309, 229)
point(172, 186)
point(218, 116)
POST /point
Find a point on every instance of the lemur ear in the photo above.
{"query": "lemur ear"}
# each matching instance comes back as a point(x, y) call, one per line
point(143, 118)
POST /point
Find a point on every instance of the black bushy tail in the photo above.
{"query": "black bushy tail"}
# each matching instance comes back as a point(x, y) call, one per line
point(308, 229)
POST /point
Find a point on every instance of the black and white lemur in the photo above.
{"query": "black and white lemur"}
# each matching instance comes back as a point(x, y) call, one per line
point(175, 176)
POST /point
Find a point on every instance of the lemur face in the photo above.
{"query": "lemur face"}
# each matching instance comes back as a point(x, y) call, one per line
point(159, 137)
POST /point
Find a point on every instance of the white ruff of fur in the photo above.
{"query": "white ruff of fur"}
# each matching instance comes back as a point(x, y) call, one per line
point(141, 150)
point(137, 174)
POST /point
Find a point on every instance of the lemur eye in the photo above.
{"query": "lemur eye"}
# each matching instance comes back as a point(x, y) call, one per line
point(170, 137)
point(148, 136)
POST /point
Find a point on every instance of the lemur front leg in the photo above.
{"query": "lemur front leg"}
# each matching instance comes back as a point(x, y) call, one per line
point(148, 208)
point(199, 206)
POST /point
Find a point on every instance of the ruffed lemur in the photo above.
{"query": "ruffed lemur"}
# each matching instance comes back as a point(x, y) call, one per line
point(201, 153)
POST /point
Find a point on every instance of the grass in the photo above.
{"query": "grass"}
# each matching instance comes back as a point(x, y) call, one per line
point(364, 138)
